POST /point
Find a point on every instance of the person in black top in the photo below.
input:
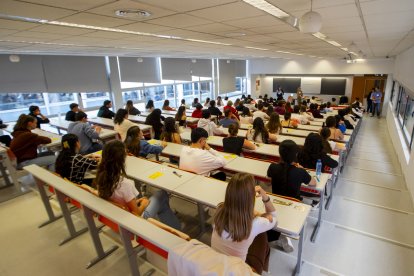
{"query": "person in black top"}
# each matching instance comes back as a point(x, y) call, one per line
point(369, 101)
point(105, 111)
point(235, 144)
point(288, 176)
point(154, 119)
point(34, 111)
point(280, 93)
point(132, 110)
point(70, 115)
point(213, 109)
point(312, 151)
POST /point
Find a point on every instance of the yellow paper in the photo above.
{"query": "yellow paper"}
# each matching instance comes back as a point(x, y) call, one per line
point(155, 175)
point(98, 152)
point(55, 138)
point(232, 156)
point(152, 142)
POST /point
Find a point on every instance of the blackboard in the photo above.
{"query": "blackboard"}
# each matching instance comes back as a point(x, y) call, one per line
point(333, 86)
point(289, 85)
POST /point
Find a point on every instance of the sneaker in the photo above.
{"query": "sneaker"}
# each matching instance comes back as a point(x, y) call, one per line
point(315, 205)
point(285, 243)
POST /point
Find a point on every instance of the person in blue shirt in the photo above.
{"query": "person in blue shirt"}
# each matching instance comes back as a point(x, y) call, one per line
point(229, 119)
point(137, 146)
point(376, 97)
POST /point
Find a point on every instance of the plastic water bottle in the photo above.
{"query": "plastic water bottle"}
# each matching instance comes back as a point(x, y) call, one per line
point(318, 169)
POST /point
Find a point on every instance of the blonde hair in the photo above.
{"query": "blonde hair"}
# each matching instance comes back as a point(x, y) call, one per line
point(235, 215)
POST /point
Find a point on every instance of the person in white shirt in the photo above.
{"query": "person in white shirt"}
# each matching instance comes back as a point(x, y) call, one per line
point(260, 113)
point(200, 158)
point(239, 230)
point(303, 120)
point(121, 123)
point(208, 124)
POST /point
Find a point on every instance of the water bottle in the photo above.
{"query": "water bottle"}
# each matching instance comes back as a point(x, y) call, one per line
point(318, 169)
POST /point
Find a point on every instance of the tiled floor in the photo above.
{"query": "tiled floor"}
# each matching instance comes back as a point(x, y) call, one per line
point(367, 230)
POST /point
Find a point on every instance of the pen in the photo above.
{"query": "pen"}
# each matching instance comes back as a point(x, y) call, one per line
point(179, 175)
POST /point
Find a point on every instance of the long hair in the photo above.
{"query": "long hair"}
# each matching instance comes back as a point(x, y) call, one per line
point(150, 104)
point(120, 116)
point(288, 151)
point(23, 121)
point(168, 130)
point(312, 150)
point(132, 141)
point(331, 122)
point(180, 113)
point(62, 166)
point(111, 168)
point(235, 215)
point(274, 125)
point(166, 103)
point(325, 134)
point(154, 118)
point(259, 128)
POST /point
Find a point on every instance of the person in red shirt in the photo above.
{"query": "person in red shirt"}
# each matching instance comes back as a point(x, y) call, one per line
point(233, 110)
point(198, 112)
point(24, 144)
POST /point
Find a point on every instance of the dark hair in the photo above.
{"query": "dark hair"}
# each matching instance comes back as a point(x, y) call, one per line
point(199, 106)
point(180, 113)
point(120, 116)
point(325, 134)
point(22, 122)
point(166, 103)
point(197, 134)
point(259, 128)
point(288, 151)
point(68, 143)
point(270, 110)
point(150, 104)
point(80, 115)
point(287, 115)
point(227, 112)
point(195, 100)
point(111, 168)
point(129, 105)
point(246, 111)
point(106, 102)
point(207, 100)
point(233, 129)
point(132, 141)
point(330, 122)
point(312, 150)
point(183, 101)
point(212, 103)
point(333, 99)
point(73, 105)
point(206, 114)
point(328, 104)
point(154, 119)
point(33, 108)
point(274, 125)
point(168, 130)
point(260, 106)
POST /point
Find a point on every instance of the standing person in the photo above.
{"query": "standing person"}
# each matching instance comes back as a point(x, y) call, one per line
point(376, 102)
point(166, 106)
point(24, 144)
point(71, 165)
point(87, 134)
point(207, 124)
point(200, 158)
point(137, 146)
point(150, 106)
point(34, 111)
point(181, 117)
point(369, 101)
point(154, 120)
point(70, 115)
point(239, 230)
point(235, 144)
point(113, 185)
point(299, 95)
point(121, 123)
point(104, 110)
point(279, 94)
point(131, 109)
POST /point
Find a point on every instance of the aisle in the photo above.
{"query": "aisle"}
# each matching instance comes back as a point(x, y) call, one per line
point(368, 228)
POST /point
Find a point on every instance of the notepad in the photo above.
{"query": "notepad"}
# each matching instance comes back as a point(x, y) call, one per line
point(152, 142)
point(228, 157)
point(98, 152)
point(155, 175)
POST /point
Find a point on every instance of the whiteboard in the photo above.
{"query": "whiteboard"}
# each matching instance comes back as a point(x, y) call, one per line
point(311, 85)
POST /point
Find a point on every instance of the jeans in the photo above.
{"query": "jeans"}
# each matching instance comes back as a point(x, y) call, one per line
point(369, 106)
point(159, 206)
point(43, 160)
point(376, 108)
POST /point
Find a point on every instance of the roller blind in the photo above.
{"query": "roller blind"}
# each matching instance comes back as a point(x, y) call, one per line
point(24, 76)
point(201, 68)
point(75, 74)
point(240, 68)
point(227, 76)
point(134, 71)
point(176, 69)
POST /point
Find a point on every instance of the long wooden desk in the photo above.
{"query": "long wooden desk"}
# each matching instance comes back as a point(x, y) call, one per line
point(109, 123)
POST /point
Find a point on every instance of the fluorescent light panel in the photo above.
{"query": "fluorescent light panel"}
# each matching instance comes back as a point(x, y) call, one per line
point(267, 7)
point(256, 48)
point(334, 43)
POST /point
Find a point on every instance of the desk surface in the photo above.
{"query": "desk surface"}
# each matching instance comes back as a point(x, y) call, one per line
point(63, 124)
point(110, 123)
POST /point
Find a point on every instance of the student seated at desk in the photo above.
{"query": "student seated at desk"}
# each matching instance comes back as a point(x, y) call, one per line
point(229, 105)
point(70, 115)
point(166, 106)
point(274, 126)
point(287, 178)
point(208, 124)
point(246, 116)
point(200, 158)
point(184, 104)
point(301, 119)
point(346, 114)
point(34, 111)
point(235, 144)
point(239, 230)
point(181, 117)
point(24, 144)
point(71, 165)
point(214, 110)
point(195, 103)
point(154, 120)
point(207, 102)
point(328, 146)
point(288, 121)
point(137, 146)
point(131, 109)
point(198, 112)
point(219, 101)
point(312, 151)
point(229, 118)
point(331, 123)
point(280, 109)
point(170, 132)
point(259, 133)
point(150, 106)
point(121, 123)
point(313, 108)
point(104, 111)
point(260, 113)
point(340, 123)
point(86, 133)
point(113, 185)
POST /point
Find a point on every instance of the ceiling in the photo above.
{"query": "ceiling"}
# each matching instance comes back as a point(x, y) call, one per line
point(204, 28)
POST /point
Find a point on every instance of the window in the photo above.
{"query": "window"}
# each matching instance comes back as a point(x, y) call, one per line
point(409, 123)
point(94, 99)
point(205, 90)
point(135, 95)
point(155, 93)
point(14, 104)
point(59, 102)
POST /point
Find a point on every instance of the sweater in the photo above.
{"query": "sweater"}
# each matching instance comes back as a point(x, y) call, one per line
point(105, 112)
point(85, 134)
point(24, 144)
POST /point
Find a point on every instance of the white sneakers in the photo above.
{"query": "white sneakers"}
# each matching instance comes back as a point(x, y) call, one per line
point(285, 243)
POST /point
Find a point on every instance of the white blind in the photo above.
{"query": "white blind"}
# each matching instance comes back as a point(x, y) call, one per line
point(201, 68)
point(227, 76)
point(176, 69)
point(240, 68)
point(24, 76)
point(134, 71)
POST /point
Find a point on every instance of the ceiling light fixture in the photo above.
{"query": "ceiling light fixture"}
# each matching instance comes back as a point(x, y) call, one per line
point(334, 43)
point(267, 7)
point(133, 13)
point(310, 22)
point(256, 48)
